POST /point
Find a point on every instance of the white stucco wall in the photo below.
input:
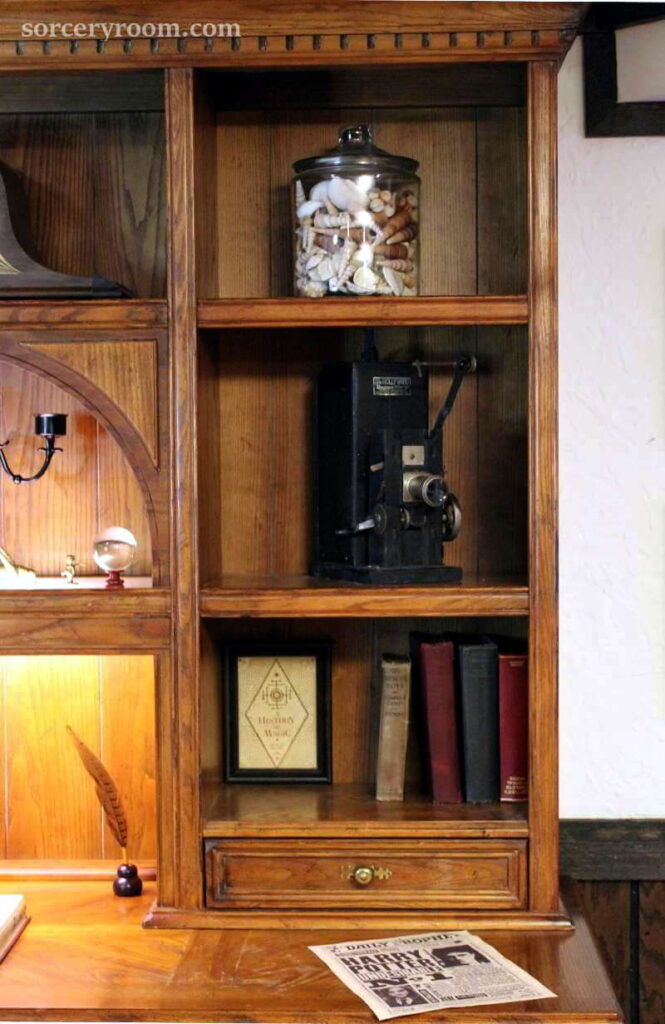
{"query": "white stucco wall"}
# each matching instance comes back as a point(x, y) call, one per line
point(612, 476)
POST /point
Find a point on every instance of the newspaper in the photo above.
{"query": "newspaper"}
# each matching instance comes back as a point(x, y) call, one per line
point(419, 973)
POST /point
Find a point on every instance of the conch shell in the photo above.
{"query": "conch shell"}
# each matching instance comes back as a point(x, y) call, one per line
point(346, 195)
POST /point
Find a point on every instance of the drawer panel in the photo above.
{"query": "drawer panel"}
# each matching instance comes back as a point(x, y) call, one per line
point(248, 873)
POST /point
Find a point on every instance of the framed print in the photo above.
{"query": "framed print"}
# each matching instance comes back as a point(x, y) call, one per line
point(277, 713)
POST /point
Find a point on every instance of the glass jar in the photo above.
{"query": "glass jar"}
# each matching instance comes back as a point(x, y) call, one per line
point(356, 212)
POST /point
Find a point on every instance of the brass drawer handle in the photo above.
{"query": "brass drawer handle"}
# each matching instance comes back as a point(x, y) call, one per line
point(365, 874)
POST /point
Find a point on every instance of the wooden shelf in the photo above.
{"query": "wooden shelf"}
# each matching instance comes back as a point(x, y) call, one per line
point(84, 314)
point(346, 810)
point(264, 597)
point(56, 621)
point(357, 312)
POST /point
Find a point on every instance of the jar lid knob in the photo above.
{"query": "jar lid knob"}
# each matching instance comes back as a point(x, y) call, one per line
point(356, 135)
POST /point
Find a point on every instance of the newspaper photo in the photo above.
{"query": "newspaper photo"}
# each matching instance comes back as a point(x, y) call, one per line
point(419, 973)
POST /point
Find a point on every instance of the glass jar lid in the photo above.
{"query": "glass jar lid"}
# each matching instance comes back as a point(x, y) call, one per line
point(355, 147)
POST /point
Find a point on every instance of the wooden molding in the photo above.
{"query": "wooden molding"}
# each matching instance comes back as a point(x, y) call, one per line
point(613, 850)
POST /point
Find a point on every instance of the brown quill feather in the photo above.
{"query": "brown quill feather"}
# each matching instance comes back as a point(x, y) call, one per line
point(106, 789)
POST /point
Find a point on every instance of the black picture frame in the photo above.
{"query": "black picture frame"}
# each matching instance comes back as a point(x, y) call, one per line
point(605, 117)
point(234, 653)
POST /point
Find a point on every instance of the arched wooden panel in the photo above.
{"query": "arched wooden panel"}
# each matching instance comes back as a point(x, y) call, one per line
point(125, 370)
point(88, 487)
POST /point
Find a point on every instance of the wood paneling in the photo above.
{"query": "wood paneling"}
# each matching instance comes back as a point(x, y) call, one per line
point(607, 907)
point(95, 192)
point(613, 850)
point(50, 807)
point(127, 713)
point(125, 370)
point(652, 952)
point(88, 487)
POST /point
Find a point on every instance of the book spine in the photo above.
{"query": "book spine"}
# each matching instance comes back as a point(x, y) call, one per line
point(513, 726)
point(480, 722)
point(393, 728)
point(438, 695)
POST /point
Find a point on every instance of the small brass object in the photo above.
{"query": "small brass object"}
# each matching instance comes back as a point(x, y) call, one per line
point(365, 874)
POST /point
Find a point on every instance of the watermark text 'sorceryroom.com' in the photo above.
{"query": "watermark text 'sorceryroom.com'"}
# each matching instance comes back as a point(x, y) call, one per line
point(129, 30)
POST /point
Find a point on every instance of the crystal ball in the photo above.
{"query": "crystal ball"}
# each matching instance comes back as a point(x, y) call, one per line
point(114, 549)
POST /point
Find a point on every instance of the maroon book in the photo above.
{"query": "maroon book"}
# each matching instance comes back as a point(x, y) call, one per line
point(513, 726)
point(437, 676)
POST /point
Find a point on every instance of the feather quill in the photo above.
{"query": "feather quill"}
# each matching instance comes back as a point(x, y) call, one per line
point(106, 789)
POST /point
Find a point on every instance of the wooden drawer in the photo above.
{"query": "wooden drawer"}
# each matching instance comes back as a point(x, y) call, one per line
point(248, 873)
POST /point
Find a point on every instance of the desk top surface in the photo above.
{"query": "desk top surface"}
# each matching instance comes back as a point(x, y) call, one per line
point(84, 956)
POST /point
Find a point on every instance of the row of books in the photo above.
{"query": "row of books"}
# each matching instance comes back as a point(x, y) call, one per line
point(470, 699)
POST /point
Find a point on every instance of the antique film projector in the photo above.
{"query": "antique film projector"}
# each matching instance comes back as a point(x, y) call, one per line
point(382, 506)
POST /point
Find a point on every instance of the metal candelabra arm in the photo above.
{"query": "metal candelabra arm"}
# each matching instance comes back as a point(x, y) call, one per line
point(49, 426)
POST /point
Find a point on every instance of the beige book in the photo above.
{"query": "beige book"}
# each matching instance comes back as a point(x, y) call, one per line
point(393, 727)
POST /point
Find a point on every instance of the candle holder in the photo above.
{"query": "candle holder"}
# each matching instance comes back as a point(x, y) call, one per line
point(48, 425)
point(114, 550)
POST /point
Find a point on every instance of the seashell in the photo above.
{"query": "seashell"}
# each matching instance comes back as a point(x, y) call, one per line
point(403, 265)
point(409, 282)
point(319, 191)
point(308, 208)
point(393, 252)
point(365, 278)
point(380, 218)
point(300, 193)
point(397, 221)
point(314, 289)
point(386, 195)
point(389, 209)
point(373, 193)
point(309, 239)
point(329, 243)
point(410, 250)
point(346, 195)
point(376, 205)
point(330, 207)
point(331, 220)
point(383, 288)
point(405, 235)
point(395, 280)
point(324, 271)
point(314, 261)
point(408, 199)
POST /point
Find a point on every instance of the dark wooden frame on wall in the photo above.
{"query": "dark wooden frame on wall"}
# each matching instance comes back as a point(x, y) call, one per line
point(604, 115)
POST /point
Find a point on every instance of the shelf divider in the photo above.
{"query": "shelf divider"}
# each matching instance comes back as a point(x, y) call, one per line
point(305, 597)
point(353, 312)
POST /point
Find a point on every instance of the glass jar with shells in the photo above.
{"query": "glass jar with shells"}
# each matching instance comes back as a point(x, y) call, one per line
point(356, 212)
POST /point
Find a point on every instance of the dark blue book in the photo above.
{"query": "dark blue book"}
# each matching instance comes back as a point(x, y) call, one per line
point(477, 665)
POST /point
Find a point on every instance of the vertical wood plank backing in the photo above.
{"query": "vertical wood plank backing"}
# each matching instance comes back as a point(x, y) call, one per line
point(543, 604)
point(212, 512)
point(69, 489)
point(127, 705)
point(53, 154)
point(88, 486)
point(182, 743)
point(212, 686)
point(121, 501)
point(254, 167)
point(502, 208)
point(167, 805)
point(607, 909)
point(443, 140)
point(206, 194)
point(3, 753)
point(243, 206)
point(502, 476)
point(53, 810)
point(652, 952)
point(94, 190)
point(130, 216)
